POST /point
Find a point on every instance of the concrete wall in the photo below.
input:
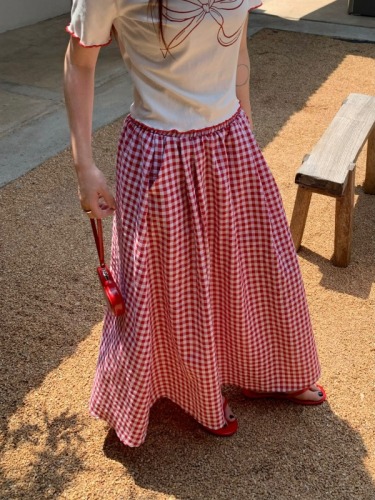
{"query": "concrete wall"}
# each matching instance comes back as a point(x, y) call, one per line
point(17, 13)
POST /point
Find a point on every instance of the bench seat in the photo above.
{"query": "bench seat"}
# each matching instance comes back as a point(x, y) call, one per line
point(330, 170)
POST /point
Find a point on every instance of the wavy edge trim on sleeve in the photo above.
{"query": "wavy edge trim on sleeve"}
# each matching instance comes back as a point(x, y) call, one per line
point(256, 6)
point(71, 32)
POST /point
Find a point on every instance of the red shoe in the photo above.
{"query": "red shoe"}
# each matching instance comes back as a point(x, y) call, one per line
point(229, 428)
point(291, 396)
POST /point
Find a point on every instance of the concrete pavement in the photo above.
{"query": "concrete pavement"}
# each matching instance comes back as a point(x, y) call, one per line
point(33, 123)
point(315, 17)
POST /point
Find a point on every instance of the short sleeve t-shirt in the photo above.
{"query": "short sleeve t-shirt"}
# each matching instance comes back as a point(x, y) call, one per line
point(185, 84)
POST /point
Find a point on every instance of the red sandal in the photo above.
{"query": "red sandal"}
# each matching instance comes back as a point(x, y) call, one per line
point(229, 428)
point(291, 396)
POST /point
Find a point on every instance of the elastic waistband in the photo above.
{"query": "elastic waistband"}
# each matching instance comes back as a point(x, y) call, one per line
point(129, 120)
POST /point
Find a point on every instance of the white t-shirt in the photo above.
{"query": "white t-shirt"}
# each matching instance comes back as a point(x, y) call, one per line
point(192, 84)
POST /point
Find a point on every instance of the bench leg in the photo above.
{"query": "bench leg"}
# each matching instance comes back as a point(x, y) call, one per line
point(369, 184)
point(344, 224)
point(300, 211)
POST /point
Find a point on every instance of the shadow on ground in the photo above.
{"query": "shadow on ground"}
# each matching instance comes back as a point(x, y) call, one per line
point(51, 301)
point(55, 463)
point(353, 280)
point(284, 76)
point(281, 451)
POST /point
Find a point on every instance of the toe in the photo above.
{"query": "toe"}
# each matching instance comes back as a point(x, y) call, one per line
point(312, 394)
point(229, 416)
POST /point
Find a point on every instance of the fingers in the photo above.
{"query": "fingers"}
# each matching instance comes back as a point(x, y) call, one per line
point(107, 201)
point(96, 199)
point(99, 208)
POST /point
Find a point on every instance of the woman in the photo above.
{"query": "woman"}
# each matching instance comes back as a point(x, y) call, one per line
point(201, 246)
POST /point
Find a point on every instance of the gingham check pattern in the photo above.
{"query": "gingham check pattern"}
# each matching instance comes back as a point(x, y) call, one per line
point(202, 251)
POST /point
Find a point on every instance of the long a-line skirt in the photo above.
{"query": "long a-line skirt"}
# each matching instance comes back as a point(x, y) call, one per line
point(202, 251)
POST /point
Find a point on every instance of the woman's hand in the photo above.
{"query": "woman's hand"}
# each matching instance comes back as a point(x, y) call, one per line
point(94, 195)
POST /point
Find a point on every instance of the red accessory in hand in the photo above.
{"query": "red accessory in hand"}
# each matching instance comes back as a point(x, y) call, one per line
point(111, 291)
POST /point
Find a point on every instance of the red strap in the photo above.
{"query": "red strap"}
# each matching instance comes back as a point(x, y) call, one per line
point(97, 230)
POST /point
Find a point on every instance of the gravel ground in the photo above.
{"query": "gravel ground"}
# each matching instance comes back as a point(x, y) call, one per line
point(52, 312)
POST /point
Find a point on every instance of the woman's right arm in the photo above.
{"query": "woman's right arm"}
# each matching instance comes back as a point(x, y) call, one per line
point(79, 75)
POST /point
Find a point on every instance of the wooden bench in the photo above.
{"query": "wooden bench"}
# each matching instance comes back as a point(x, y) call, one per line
point(330, 170)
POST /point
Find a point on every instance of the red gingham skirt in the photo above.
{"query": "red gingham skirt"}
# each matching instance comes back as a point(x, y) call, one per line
point(202, 251)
